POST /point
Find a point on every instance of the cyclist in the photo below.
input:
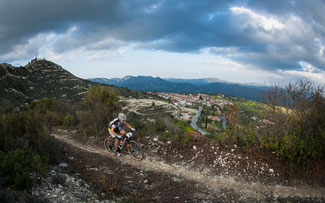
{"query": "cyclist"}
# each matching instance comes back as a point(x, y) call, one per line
point(117, 132)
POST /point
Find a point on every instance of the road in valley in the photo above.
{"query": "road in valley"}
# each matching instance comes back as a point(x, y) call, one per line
point(194, 122)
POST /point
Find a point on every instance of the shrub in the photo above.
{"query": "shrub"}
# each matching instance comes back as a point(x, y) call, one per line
point(45, 104)
point(298, 110)
point(69, 120)
point(20, 169)
point(51, 110)
point(25, 131)
point(98, 108)
point(137, 121)
point(6, 195)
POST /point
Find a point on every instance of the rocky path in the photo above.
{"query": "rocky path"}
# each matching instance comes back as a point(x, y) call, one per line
point(217, 187)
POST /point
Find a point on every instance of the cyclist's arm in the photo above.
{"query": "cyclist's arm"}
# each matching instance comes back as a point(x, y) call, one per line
point(128, 125)
point(112, 131)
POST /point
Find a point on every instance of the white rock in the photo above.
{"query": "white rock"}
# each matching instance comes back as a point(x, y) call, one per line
point(145, 181)
point(57, 190)
point(194, 147)
point(155, 139)
point(64, 165)
point(232, 150)
point(169, 142)
point(271, 170)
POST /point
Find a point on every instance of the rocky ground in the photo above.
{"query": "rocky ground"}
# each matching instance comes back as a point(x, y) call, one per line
point(60, 186)
point(202, 172)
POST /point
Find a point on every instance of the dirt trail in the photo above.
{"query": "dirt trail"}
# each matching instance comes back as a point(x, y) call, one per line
point(254, 190)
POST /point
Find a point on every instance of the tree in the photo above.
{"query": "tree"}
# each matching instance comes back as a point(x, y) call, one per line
point(98, 108)
point(298, 110)
point(232, 114)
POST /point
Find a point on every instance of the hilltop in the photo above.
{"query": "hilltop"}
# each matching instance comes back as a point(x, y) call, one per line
point(42, 78)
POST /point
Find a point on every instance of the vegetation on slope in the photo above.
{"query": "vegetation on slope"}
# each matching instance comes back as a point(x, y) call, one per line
point(292, 125)
point(297, 135)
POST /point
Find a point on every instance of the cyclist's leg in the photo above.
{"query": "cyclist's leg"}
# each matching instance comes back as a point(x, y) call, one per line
point(116, 142)
point(122, 132)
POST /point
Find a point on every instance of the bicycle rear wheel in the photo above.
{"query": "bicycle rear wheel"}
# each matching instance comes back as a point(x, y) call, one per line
point(135, 150)
point(108, 144)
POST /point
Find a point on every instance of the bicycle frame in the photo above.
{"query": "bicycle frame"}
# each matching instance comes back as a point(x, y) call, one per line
point(122, 141)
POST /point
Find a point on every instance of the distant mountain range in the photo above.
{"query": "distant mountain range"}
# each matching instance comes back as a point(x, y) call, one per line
point(204, 85)
point(201, 81)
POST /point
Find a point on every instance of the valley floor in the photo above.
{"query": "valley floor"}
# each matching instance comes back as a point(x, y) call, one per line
point(189, 174)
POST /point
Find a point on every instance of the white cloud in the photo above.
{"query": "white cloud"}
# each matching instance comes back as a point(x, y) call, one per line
point(104, 54)
point(33, 46)
point(307, 71)
point(307, 67)
point(257, 20)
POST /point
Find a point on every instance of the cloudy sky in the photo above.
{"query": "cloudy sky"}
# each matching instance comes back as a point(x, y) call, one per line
point(240, 41)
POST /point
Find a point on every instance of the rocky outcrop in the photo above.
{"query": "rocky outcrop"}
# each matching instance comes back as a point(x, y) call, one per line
point(39, 79)
point(59, 186)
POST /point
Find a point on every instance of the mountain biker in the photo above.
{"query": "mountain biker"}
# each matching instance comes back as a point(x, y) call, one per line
point(117, 132)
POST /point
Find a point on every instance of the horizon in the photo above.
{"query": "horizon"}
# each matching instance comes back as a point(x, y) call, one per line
point(221, 81)
point(236, 41)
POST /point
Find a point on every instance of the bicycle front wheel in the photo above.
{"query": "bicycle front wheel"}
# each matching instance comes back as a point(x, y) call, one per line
point(135, 150)
point(108, 144)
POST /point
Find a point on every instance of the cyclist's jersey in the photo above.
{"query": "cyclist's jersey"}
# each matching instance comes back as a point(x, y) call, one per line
point(116, 124)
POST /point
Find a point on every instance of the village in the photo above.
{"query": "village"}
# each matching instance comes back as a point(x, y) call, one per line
point(189, 101)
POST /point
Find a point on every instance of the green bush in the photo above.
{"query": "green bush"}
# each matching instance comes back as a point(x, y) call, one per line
point(293, 148)
point(20, 169)
point(45, 104)
point(99, 107)
point(138, 122)
point(159, 126)
point(186, 138)
point(51, 110)
point(184, 127)
point(25, 130)
point(69, 120)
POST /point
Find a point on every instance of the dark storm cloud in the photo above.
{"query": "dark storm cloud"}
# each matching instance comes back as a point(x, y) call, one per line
point(177, 26)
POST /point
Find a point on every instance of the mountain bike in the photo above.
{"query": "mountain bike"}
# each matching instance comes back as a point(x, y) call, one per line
point(134, 148)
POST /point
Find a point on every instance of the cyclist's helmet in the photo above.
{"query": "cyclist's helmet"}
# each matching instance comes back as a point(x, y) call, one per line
point(122, 116)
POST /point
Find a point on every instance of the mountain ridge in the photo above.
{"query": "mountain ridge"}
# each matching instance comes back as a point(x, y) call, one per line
point(149, 83)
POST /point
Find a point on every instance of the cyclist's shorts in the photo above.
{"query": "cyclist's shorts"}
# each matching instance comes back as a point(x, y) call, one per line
point(113, 136)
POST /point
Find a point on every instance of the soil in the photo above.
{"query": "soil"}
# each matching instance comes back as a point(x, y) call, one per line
point(194, 172)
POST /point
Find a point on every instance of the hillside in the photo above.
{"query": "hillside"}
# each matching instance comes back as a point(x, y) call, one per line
point(39, 79)
point(240, 164)
point(147, 83)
